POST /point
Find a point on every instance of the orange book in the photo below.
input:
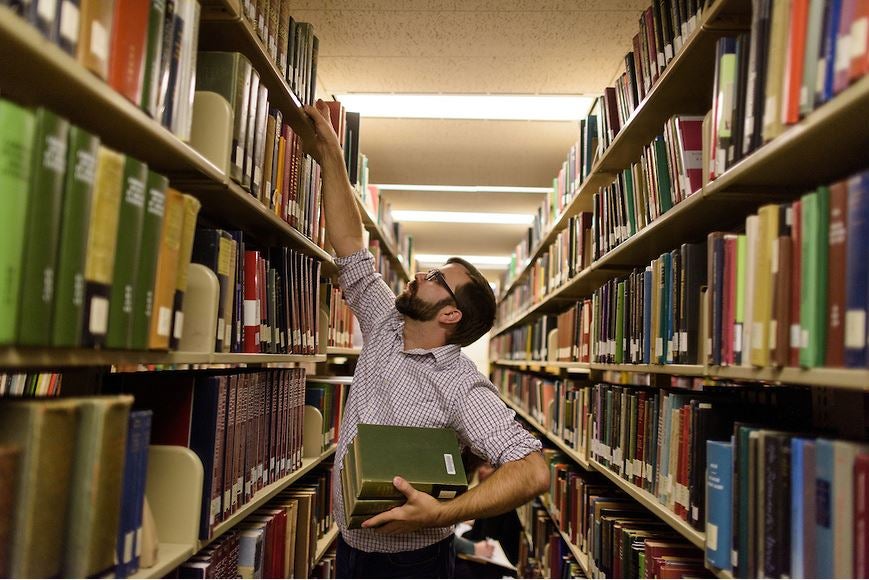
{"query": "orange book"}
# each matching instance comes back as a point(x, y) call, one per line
point(859, 38)
point(127, 54)
point(795, 58)
point(167, 271)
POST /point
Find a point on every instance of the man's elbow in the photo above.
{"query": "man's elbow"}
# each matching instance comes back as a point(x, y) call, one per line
point(539, 474)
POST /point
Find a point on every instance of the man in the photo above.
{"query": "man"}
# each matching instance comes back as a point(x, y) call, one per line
point(411, 372)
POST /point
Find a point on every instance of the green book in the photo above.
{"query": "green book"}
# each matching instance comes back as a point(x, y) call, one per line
point(130, 220)
point(143, 292)
point(153, 55)
point(813, 281)
point(665, 192)
point(428, 458)
point(72, 248)
point(810, 63)
point(620, 321)
point(47, 170)
point(17, 128)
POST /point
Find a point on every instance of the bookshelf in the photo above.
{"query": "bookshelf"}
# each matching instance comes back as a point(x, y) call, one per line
point(580, 556)
point(265, 494)
point(551, 367)
point(553, 438)
point(325, 542)
point(32, 69)
point(387, 244)
point(170, 557)
point(337, 351)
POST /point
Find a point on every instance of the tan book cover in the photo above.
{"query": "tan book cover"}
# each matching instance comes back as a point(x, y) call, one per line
point(773, 114)
point(185, 251)
point(45, 432)
point(95, 34)
point(96, 484)
point(167, 268)
point(763, 285)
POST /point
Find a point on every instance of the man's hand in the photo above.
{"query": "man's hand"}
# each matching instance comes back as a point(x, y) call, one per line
point(420, 511)
point(325, 143)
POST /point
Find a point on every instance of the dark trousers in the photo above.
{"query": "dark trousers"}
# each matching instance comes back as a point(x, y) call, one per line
point(435, 561)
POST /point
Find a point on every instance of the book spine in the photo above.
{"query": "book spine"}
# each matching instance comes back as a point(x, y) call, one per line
point(143, 294)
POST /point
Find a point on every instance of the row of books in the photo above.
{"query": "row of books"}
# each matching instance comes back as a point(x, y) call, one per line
point(383, 264)
point(265, 155)
point(292, 45)
point(328, 397)
point(527, 342)
point(347, 125)
point(73, 278)
point(73, 471)
point(246, 428)
point(30, 384)
point(542, 551)
point(792, 290)
point(327, 567)
point(276, 541)
point(797, 56)
point(342, 321)
point(144, 50)
point(665, 27)
point(268, 300)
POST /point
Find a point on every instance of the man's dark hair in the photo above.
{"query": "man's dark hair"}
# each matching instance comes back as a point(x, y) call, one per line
point(477, 303)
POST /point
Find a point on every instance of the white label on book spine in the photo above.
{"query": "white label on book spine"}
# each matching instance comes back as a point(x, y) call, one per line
point(659, 346)
point(859, 32)
point(711, 536)
point(46, 9)
point(215, 506)
point(221, 328)
point(804, 338)
point(226, 501)
point(69, 21)
point(99, 315)
point(769, 111)
point(773, 327)
point(99, 40)
point(164, 321)
point(239, 156)
point(855, 328)
point(251, 313)
point(446, 494)
point(757, 335)
point(795, 335)
point(449, 463)
point(179, 325)
point(128, 545)
point(843, 53)
point(139, 542)
point(668, 52)
point(257, 176)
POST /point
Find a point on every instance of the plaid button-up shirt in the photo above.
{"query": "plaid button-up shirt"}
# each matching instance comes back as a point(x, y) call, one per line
point(439, 387)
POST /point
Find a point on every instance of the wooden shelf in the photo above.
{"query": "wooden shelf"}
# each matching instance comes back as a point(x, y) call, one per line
point(551, 367)
point(854, 379)
point(651, 503)
point(555, 439)
point(675, 370)
point(386, 242)
point(323, 543)
point(337, 351)
point(682, 88)
point(169, 557)
point(21, 357)
point(265, 494)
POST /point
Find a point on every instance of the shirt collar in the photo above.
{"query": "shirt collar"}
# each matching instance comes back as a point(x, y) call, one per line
point(444, 356)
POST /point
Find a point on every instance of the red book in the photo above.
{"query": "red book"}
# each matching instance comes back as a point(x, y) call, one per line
point(252, 282)
point(796, 273)
point(794, 64)
point(836, 275)
point(653, 47)
point(691, 149)
point(861, 515)
point(859, 38)
point(127, 48)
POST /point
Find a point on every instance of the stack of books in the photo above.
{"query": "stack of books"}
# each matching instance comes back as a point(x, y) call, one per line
point(428, 458)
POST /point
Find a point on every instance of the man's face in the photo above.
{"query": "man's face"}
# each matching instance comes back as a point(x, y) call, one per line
point(425, 295)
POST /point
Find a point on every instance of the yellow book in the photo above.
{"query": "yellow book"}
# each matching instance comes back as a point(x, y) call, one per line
point(775, 72)
point(101, 245)
point(185, 251)
point(167, 270)
point(763, 284)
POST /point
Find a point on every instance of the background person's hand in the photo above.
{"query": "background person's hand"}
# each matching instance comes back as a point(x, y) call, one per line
point(484, 549)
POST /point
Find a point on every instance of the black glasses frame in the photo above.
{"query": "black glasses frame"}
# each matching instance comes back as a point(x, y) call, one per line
point(437, 275)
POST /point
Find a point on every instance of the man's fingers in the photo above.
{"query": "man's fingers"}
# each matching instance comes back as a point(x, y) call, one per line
point(403, 486)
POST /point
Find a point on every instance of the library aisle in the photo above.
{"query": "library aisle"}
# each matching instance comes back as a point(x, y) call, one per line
point(669, 199)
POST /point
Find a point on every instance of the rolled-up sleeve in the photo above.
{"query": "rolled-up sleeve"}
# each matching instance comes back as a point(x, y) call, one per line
point(489, 428)
point(369, 297)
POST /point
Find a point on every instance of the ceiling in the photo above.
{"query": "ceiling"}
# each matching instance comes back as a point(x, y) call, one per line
point(546, 47)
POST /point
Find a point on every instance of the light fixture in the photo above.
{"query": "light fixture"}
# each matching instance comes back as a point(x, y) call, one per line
point(491, 107)
point(484, 262)
point(461, 217)
point(461, 188)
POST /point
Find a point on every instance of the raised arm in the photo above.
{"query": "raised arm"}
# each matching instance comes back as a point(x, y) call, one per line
point(343, 223)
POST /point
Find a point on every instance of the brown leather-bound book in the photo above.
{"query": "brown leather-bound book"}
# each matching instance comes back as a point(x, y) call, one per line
point(9, 464)
point(127, 54)
point(95, 34)
point(836, 274)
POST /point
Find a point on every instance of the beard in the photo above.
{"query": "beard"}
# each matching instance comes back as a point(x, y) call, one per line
point(412, 306)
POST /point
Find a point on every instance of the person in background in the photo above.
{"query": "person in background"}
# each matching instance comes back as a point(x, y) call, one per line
point(411, 372)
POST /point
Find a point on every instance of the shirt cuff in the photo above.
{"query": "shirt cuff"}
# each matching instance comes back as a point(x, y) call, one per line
point(354, 258)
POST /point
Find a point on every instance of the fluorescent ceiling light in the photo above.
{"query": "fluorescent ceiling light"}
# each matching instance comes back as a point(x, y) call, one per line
point(461, 188)
point(461, 217)
point(494, 107)
point(485, 262)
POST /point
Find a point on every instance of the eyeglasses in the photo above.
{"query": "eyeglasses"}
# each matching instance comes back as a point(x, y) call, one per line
point(437, 275)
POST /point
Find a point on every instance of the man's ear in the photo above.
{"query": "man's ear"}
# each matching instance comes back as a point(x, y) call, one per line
point(450, 315)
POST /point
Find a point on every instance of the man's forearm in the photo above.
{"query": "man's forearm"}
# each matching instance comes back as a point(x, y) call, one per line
point(509, 486)
point(343, 222)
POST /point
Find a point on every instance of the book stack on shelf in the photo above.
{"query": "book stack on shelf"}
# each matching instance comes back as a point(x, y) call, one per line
point(327, 395)
point(716, 253)
point(30, 384)
point(342, 321)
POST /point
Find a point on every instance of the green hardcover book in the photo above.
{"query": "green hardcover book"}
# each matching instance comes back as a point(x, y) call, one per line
point(665, 191)
point(620, 320)
point(813, 272)
point(72, 249)
point(17, 128)
point(130, 220)
point(153, 55)
point(47, 170)
point(102, 238)
point(428, 458)
point(143, 293)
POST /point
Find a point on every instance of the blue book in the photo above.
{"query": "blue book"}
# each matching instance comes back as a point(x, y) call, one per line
point(719, 503)
point(207, 426)
point(824, 469)
point(857, 271)
point(138, 437)
point(647, 315)
point(831, 31)
point(802, 508)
